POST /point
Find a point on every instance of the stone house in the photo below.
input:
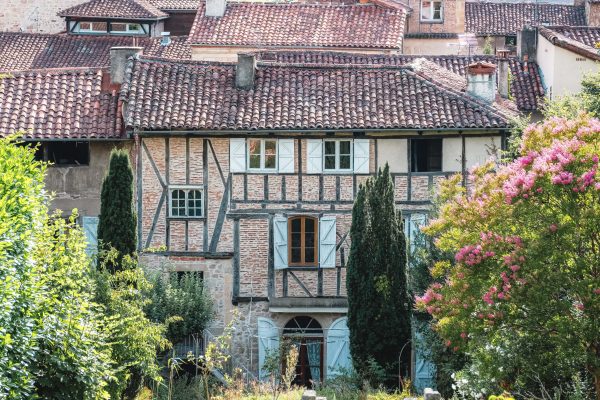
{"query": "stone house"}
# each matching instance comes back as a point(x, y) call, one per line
point(247, 173)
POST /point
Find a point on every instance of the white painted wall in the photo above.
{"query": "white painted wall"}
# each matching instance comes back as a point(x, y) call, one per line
point(394, 152)
point(452, 154)
point(479, 150)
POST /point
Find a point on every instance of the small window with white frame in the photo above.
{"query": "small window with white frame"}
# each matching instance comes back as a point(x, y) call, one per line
point(337, 155)
point(91, 27)
point(186, 202)
point(262, 154)
point(432, 10)
point(126, 28)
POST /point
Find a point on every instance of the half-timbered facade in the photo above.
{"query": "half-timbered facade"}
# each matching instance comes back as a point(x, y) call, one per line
point(248, 173)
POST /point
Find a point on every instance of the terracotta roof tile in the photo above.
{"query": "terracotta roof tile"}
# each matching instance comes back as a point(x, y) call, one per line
point(23, 51)
point(175, 5)
point(527, 87)
point(165, 95)
point(509, 18)
point(115, 9)
point(55, 104)
point(578, 39)
point(301, 25)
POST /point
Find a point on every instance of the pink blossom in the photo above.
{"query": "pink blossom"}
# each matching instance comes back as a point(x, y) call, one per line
point(597, 291)
point(463, 335)
point(501, 295)
point(580, 306)
point(553, 228)
point(515, 268)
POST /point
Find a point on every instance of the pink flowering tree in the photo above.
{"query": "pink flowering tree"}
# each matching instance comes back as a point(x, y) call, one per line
point(522, 296)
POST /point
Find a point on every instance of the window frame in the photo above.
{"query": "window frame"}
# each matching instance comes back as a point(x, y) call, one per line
point(337, 154)
point(127, 31)
point(187, 189)
point(262, 155)
point(431, 18)
point(78, 29)
point(414, 162)
point(303, 262)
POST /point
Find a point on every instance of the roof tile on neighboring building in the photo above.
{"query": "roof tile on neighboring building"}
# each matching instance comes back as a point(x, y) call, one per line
point(24, 51)
point(301, 25)
point(526, 87)
point(176, 5)
point(201, 96)
point(500, 19)
point(58, 104)
point(115, 9)
point(581, 40)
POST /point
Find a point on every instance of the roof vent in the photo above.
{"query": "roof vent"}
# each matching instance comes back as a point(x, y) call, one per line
point(215, 8)
point(166, 38)
point(481, 81)
point(245, 71)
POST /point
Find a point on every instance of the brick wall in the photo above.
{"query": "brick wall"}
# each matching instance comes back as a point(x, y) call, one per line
point(453, 18)
point(34, 15)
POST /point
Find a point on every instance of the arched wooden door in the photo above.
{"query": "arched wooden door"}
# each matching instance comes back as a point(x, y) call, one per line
point(338, 348)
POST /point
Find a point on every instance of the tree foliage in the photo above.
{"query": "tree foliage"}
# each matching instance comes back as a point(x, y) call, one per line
point(117, 222)
point(379, 310)
point(522, 296)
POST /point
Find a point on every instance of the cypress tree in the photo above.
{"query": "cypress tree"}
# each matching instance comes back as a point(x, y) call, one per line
point(117, 222)
point(378, 305)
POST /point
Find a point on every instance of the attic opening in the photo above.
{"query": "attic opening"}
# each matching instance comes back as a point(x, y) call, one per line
point(426, 155)
point(63, 153)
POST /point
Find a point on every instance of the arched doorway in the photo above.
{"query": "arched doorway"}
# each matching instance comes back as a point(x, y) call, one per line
point(306, 333)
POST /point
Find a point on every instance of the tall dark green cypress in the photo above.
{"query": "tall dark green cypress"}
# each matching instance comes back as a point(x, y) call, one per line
point(379, 309)
point(117, 222)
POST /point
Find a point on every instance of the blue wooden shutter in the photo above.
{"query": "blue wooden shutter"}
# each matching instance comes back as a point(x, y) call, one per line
point(280, 239)
point(237, 155)
point(314, 153)
point(424, 368)
point(361, 156)
point(268, 341)
point(327, 242)
point(90, 229)
point(338, 348)
point(417, 221)
point(285, 148)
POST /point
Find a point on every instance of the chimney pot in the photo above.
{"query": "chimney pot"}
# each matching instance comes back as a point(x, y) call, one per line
point(215, 8)
point(245, 71)
point(481, 81)
point(166, 38)
point(119, 57)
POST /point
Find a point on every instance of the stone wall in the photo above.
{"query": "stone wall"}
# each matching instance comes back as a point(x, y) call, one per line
point(34, 15)
point(453, 20)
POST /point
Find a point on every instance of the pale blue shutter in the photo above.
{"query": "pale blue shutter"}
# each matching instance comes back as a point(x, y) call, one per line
point(327, 242)
point(268, 341)
point(237, 155)
point(90, 229)
point(424, 368)
point(285, 149)
point(280, 239)
point(314, 157)
point(417, 221)
point(361, 156)
point(339, 361)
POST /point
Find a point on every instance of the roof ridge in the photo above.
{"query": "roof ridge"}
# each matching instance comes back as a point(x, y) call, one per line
point(55, 71)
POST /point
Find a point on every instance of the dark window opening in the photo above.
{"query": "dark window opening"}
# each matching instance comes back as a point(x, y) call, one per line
point(68, 153)
point(191, 275)
point(426, 155)
point(302, 237)
point(307, 335)
point(510, 40)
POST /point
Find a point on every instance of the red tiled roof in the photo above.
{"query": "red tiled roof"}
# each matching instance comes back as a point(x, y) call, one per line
point(509, 18)
point(581, 40)
point(23, 51)
point(176, 5)
point(301, 25)
point(115, 9)
point(166, 95)
point(57, 104)
point(526, 86)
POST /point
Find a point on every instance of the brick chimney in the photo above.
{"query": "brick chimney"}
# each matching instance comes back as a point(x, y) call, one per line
point(481, 81)
point(215, 8)
point(527, 43)
point(119, 57)
point(503, 72)
point(245, 71)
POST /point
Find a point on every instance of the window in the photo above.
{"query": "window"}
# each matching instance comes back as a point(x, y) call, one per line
point(510, 40)
point(126, 28)
point(197, 277)
point(426, 155)
point(431, 10)
point(337, 155)
point(262, 154)
point(303, 241)
point(186, 203)
point(91, 27)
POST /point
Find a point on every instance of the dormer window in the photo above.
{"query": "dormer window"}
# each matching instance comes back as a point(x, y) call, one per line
point(126, 28)
point(432, 11)
point(112, 28)
point(92, 27)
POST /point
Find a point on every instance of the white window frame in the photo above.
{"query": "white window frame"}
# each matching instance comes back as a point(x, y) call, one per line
point(432, 11)
point(337, 156)
point(262, 156)
point(128, 31)
point(79, 29)
point(187, 189)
